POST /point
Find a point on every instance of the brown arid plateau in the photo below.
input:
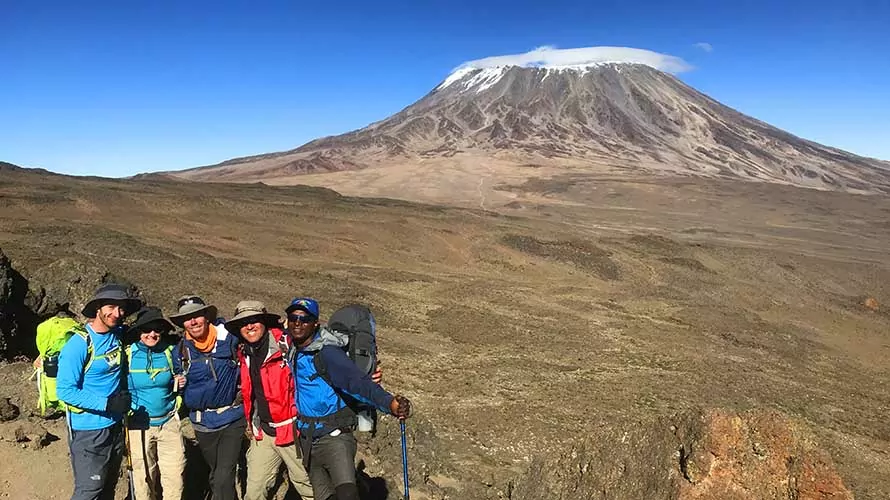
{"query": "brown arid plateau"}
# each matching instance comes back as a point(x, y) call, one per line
point(582, 336)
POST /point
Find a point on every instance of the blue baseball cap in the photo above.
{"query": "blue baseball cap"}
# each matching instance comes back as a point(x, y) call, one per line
point(303, 304)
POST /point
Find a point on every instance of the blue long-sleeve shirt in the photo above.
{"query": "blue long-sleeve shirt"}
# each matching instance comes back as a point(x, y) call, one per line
point(89, 390)
point(150, 380)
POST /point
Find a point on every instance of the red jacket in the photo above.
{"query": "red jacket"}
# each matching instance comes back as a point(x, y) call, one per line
point(278, 385)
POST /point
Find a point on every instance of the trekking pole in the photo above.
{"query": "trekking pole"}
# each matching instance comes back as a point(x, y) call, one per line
point(129, 457)
point(404, 456)
point(125, 372)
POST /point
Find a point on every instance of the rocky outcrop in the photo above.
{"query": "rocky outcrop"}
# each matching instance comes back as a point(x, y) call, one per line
point(64, 285)
point(701, 455)
point(8, 410)
point(16, 319)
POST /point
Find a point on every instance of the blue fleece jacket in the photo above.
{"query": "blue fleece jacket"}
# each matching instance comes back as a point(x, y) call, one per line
point(151, 381)
point(89, 390)
point(316, 398)
point(212, 385)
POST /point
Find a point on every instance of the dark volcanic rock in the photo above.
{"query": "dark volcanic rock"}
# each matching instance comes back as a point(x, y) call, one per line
point(64, 285)
point(16, 319)
point(8, 411)
point(34, 434)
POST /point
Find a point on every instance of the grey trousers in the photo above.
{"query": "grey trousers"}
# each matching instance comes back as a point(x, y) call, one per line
point(332, 464)
point(96, 461)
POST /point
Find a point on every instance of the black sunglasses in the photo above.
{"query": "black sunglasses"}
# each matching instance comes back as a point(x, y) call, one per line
point(191, 300)
point(160, 329)
point(301, 318)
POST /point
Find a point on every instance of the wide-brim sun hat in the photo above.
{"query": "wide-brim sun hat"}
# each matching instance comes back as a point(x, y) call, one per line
point(191, 306)
point(147, 316)
point(252, 310)
point(112, 293)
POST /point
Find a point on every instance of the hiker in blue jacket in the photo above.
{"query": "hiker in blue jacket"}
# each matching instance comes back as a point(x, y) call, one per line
point(209, 357)
point(89, 383)
point(325, 420)
point(154, 376)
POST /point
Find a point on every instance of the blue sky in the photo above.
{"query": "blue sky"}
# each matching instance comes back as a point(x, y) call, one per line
point(114, 88)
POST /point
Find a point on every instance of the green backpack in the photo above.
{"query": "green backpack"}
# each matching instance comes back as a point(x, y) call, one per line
point(52, 335)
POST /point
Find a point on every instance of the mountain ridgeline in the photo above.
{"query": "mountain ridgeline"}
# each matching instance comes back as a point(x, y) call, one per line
point(626, 116)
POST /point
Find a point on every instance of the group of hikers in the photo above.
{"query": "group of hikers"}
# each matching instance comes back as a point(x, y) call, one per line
point(290, 384)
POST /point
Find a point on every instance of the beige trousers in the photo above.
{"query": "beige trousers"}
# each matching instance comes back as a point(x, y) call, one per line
point(158, 451)
point(263, 461)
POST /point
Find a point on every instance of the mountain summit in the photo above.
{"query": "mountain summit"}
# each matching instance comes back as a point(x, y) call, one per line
point(624, 116)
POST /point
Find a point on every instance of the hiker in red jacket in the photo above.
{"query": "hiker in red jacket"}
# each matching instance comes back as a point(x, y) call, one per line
point(268, 388)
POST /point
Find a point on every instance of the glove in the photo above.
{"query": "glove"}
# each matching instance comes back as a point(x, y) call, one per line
point(400, 407)
point(119, 403)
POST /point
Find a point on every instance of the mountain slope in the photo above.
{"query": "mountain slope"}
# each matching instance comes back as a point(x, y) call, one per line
point(624, 115)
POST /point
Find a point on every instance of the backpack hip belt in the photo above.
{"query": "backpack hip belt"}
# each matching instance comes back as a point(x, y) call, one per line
point(276, 425)
point(200, 413)
point(344, 418)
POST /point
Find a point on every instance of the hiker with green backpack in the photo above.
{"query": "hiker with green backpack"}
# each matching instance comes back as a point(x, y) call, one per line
point(329, 385)
point(89, 382)
point(154, 377)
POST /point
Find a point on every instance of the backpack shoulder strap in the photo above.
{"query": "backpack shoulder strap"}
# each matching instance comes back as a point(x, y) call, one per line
point(168, 353)
point(185, 356)
point(81, 331)
point(321, 368)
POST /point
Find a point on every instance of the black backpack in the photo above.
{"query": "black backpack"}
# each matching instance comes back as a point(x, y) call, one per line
point(357, 323)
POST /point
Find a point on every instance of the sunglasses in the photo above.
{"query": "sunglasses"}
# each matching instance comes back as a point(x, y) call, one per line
point(251, 320)
point(301, 318)
point(191, 300)
point(160, 330)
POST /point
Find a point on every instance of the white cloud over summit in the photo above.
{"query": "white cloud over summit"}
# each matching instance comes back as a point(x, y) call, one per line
point(707, 47)
point(551, 57)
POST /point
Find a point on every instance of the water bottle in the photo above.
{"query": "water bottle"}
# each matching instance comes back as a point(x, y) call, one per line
point(365, 420)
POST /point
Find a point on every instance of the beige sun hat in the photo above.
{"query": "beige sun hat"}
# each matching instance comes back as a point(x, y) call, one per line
point(189, 307)
point(251, 310)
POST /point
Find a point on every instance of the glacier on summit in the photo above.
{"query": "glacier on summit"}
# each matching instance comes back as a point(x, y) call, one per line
point(483, 73)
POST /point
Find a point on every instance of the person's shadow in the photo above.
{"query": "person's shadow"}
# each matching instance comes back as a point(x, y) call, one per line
point(197, 473)
point(369, 488)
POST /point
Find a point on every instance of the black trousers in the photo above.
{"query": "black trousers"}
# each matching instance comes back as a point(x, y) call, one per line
point(221, 450)
point(332, 467)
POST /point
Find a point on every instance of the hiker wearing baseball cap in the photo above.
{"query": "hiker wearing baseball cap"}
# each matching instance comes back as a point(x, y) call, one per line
point(324, 421)
point(89, 382)
point(154, 375)
point(209, 356)
point(267, 387)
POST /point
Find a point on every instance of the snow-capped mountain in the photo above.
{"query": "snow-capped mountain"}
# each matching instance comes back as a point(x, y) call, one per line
point(626, 115)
